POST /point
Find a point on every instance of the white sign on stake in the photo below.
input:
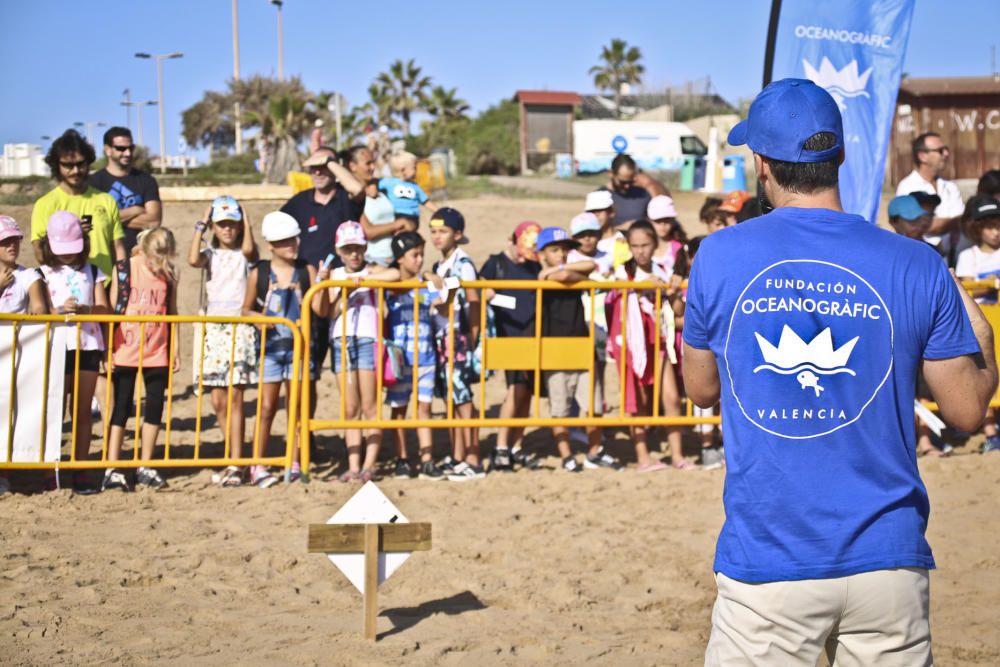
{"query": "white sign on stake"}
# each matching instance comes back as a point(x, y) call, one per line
point(368, 505)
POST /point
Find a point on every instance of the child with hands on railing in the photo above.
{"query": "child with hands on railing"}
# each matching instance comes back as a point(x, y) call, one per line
point(147, 286)
point(275, 289)
point(361, 326)
point(638, 343)
point(76, 287)
point(229, 364)
point(405, 334)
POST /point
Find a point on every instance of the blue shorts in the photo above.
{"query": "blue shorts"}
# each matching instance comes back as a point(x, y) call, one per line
point(360, 353)
point(398, 395)
point(278, 366)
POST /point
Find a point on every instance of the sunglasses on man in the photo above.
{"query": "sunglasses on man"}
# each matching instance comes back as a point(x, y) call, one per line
point(123, 149)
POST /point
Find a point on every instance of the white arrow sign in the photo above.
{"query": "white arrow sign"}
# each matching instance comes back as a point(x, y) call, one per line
point(368, 505)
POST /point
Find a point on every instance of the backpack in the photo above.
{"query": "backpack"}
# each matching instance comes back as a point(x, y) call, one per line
point(300, 277)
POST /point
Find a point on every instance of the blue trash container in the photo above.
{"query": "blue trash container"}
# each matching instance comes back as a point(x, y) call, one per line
point(734, 175)
point(699, 173)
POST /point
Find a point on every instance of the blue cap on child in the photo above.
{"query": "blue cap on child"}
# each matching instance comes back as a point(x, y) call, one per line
point(551, 235)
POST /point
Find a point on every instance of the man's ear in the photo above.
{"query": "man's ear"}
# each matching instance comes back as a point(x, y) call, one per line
point(761, 168)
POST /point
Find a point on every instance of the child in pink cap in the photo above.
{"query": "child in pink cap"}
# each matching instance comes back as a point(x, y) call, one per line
point(76, 287)
point(21, 289)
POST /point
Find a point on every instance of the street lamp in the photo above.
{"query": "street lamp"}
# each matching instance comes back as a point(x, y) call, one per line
point(138, 114)
point(90, 125)
point(159, 58)
point(237, 122)
point(281, 55)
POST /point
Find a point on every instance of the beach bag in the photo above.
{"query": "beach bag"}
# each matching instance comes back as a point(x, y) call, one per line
point(392, 363)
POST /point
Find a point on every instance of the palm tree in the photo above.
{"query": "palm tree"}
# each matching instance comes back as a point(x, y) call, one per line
point(209, 122)
point(404, 89)
point(620, 67)
point(444, 104)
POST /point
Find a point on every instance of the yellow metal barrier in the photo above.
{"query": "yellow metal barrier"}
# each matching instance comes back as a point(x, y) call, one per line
point(536, 354)
point(169, 458)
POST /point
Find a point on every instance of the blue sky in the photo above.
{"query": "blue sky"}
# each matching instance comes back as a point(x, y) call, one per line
point(69, 61)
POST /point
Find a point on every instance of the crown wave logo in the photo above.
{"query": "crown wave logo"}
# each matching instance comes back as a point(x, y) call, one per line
point(840, 83)
point(793, 354)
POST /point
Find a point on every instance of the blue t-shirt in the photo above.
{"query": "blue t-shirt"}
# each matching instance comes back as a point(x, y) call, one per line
point(402, 332)
point(818, 321)
point(406, 196)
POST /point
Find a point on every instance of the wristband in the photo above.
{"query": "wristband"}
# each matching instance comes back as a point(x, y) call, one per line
point(200, 226)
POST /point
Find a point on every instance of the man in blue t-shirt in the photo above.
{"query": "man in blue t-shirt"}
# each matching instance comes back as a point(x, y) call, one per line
point(811, 325)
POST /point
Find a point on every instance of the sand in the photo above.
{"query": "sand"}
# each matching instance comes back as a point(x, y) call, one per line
point(527, 568)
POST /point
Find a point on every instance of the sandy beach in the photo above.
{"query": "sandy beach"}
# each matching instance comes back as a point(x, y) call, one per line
point(535, 567)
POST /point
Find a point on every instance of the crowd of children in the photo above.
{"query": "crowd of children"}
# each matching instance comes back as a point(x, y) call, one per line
point(421, 355)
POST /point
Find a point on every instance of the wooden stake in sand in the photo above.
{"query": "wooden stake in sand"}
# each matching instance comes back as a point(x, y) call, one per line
point(368, 539)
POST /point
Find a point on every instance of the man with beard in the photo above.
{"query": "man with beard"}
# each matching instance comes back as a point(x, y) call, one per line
point(135, 192)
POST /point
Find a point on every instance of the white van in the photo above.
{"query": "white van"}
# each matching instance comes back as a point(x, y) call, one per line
point(654, 145)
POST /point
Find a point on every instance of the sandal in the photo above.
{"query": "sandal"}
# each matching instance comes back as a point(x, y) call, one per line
point(367, 475)
point(231, 476)
point(652, 465)
point(262, 477)
point(349, 476)
point(685, 464)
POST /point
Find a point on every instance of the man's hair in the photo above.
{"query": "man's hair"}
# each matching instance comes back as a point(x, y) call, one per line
point(807, 178)
point(989, 183)
point(622, 160)
point(115, 132)
point(70, 142)
point(920, 144)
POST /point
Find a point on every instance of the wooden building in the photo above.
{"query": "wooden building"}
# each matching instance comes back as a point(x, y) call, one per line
point(965, 111)
point(546, 125)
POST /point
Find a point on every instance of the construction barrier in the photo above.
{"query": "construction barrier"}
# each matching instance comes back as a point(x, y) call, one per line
point(51, 329)
point(536, 354)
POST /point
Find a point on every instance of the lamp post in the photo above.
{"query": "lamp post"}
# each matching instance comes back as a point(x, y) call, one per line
point(281, 54)
point(237, 123)
point(159, 58)
point(138, 115)
point(89, 125)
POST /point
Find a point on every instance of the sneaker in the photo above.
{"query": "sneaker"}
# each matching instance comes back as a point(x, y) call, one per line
point(149, 477)
point(403, 469)
point(447, 465)
point(525, 460)
point(84, 485)
point(602, 460)
point(570, 464)
point(501, 460)
point(430, 471)
point(992, 444)
point(464, 472)
point(95, 409)
point(4, 486)
point(712, 458)
point(261, 477)
point(114, 480)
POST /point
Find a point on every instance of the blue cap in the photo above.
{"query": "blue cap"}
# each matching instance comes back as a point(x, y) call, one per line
point(906, 207)
point(226, 208)
point(783, 116)
point(551, 235)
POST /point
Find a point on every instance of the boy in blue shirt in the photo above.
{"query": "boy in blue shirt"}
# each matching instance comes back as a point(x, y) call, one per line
point(406, 196)
point(811, 325)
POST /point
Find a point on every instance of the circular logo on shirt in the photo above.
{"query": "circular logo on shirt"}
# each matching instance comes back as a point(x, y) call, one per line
point(808, 349)
point(619, 143)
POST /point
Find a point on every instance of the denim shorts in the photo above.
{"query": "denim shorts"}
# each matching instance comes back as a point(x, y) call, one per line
point(278, 366)
point(398, 395)
point(360, 353)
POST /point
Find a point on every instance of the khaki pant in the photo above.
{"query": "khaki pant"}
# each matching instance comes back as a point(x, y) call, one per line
point(873, 618)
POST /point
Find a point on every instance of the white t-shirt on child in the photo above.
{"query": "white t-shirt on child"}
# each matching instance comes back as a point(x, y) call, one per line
point(604, 261)
point(362, 307)
point(15, 298)
point(227, 281)
point(976, 264)
point(65, 282)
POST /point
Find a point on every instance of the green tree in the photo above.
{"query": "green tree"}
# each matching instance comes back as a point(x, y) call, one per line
point(620, 66)
point(489, 143)
point(444, 104)
point(209, 122)
point(403, 90)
